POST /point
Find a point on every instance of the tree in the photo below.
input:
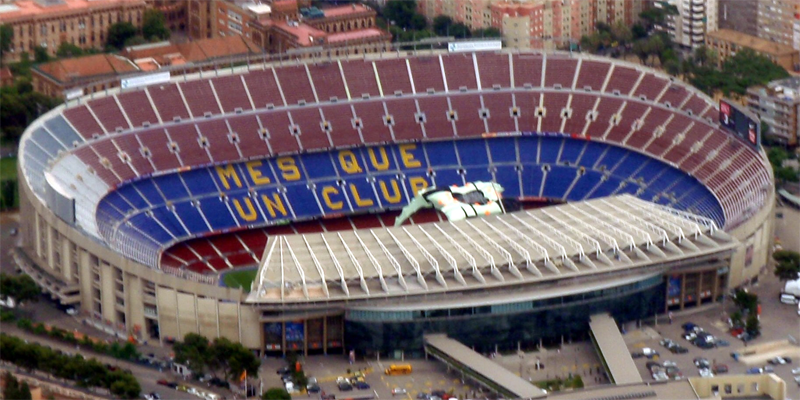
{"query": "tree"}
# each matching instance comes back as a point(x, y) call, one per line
point(12, 390)
point(753, 327)
point(788, 265)
point(746, 301)
point(621, 33)
point(276, 394)
point(154, 25)
point(233, 359)
point(441, 24)
point(418, 22)
point(638, 31)
point(6, 40)
point(487, 33)
point(119, 33)
point(642, 50)
point(460, 31)
point(194, 352)
point(68, 50)
point(22, 288)
point(400, 12)
point(40, 55)
point(24, 392)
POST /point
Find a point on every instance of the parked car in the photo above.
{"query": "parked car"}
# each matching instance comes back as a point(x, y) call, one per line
point(780, 361)
point(755, 371)
point(722, 343)
point(690, 336)
point(660, 376)
point(343, 384)
point(668, 363)
point(701, 362)
point(737, 332)
point(362, 385)
point(768, 368)
point(720, 369)
point(399, 390)
point(652, 364)
point(705, 373)
point(313, 388)
point(678, 350)
point(689, 326)
point(284, 371)
point(649, 353)
point(796, 371)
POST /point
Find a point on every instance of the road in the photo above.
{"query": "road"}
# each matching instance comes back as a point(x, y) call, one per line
point(147, 376)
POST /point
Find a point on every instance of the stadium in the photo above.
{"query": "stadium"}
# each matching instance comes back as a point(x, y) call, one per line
point(257, 202)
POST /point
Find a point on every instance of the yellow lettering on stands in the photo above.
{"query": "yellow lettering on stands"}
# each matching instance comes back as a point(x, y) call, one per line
point(327, 191)
point(349, 162)
point(357, 197)
point(383, 165)
point(226, 172)
point(288, 168)
point(256, 175)
point(250, 215)
point(276, 203)
point(408, 158)
point(393, 198)
point(417, 183)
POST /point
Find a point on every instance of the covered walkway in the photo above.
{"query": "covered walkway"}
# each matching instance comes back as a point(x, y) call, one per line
point(613, 351)
point(479, 368)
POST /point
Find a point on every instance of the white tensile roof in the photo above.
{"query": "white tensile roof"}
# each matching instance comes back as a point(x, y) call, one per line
point(595, 236)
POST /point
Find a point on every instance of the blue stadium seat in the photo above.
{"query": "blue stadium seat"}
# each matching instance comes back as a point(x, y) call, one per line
point(629, 164)
point(532, 177)
point(557, 181)
point(146, 224)
point(571, 151)
point(548, 149)
point(191, 217)
point(592, 153)
point(130, 194)
point(303, 205)
point(169, 221)
point(508, 177)
point(116, 199)
point(171, 186)
point(478, 173)
point(199, 181)
point(503, 150)
point(149, 191)
point(611, 157)
point(472, 152)
point(605, 189)
point(46, 141)
point(441, 153)
point(448, 177)
point(584, 185)
point(217, 213)
point(323, 166)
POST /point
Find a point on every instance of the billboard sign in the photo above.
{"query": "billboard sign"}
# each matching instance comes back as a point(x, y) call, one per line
point(483, 45)
point(740, 122)
point(144, 80)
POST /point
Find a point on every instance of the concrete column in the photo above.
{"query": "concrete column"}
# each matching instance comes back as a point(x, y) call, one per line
point(683, 291)
point(699, 288)
point(283, 337)
point(325, 335)
point(305, 337)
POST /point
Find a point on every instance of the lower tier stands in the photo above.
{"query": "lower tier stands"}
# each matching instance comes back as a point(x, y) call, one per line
point(173, 207)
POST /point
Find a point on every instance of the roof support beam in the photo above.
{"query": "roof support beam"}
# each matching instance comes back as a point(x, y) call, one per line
point(356, 264)
point(318, 266)
point(530, 242)
point(499, 249)
point(485, 254)
point(392, 260)
point(374, 262)
point(450, 259)
point(336, 265)
point(464, 253)
point(411, 260)
point(429, 257)
point(300, 270)
point(519, 249)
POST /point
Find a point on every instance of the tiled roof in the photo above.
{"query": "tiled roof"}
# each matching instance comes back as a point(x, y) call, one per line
point(89, 66)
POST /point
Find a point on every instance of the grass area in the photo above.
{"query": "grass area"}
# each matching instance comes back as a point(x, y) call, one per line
point(8, 183)
point(241, 279)
point(8, 168)
point(554, 385)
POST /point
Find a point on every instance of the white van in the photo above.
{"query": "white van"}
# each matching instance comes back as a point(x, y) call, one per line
point(787, 298)
point(798, 308)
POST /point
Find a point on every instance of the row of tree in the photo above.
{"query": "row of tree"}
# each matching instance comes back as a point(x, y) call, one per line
point(219, 356)
point(777, 155)
point(21, 288)
point(787, 265)
point(406, 24)
point(15, 390)
point(87, 373)
point(747, 314)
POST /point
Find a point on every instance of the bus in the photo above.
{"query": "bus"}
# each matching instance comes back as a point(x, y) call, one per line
point(402, 369)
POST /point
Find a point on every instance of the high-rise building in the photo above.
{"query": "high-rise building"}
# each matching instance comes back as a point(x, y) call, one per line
point(778, 105)
point(727, 43)
point(688, 21)
point(48, 23)
point(739, 16)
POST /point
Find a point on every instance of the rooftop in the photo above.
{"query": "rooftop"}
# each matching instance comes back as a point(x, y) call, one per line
point(70, 69)
point(22, 9)
point(749, 41)
point(353, 35)
point(785, 89)
point(305, 35)
point(166, 53)
point(345, 10)
point(557, 242)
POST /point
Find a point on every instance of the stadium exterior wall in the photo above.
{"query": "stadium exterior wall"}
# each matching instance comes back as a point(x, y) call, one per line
point(131, 298)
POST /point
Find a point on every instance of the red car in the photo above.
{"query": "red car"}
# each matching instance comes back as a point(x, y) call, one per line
point(736, 332)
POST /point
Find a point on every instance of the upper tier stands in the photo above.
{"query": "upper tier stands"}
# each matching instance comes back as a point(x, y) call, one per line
point(271, 112)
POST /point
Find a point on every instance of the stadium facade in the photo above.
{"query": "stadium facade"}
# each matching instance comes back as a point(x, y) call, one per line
point(136, 201)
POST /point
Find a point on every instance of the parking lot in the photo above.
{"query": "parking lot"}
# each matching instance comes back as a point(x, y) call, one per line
point(426, 376)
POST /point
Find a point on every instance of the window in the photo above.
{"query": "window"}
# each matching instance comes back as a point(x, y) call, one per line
point(235, 27)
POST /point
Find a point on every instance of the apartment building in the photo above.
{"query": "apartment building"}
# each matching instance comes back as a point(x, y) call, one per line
point(174, 13)
point(778, 105)
point(48, 23)
point(726, 43)
point(774, 20)
point(550, 23)
point(689, 21)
